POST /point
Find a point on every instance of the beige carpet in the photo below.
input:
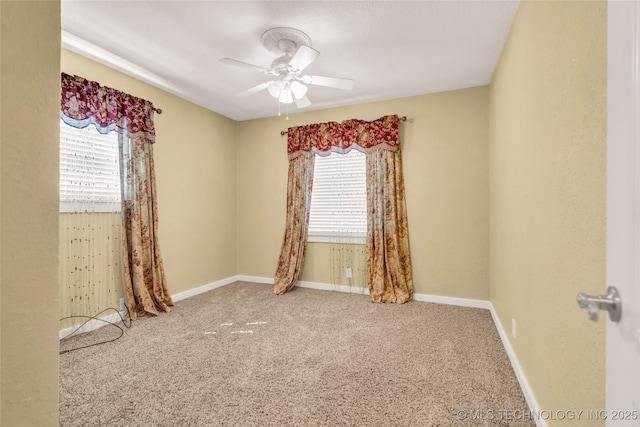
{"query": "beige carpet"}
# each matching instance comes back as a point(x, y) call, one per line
point(241, 356)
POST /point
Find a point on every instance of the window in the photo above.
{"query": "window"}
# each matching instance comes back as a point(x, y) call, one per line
point(339, 199)
point(89, 170)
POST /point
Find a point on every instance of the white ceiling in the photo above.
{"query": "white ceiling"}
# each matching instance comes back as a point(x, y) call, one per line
point(391, 49)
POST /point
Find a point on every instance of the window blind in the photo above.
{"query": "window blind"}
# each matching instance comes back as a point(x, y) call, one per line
point(89, 170)
point(339, 199)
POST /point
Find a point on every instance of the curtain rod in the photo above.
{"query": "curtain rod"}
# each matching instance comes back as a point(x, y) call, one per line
point(158, 110)
point(402, 119)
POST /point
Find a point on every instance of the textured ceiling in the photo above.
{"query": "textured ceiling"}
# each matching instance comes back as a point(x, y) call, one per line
point(391, 49)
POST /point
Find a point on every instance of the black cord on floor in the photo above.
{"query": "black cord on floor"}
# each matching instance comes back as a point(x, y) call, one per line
point(95, 317)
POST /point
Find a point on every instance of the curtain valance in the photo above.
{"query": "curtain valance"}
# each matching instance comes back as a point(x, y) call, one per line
point(84, 102)
point(324, 138)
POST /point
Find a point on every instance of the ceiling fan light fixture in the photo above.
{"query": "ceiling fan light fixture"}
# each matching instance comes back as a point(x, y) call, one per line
point(299, 90)
point(285, 96)
point(275, 89)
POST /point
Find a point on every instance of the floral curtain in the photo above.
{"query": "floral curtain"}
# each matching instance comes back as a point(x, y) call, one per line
point(388, 261)
point(144, 280)
point(387, 250)
point(342, 137)
point(294, 244)
point(84, 102)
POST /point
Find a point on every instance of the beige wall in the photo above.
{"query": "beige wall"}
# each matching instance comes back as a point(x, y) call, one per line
point(1, 102)
point(29, 150)
point(445, 152)
point(548, 178)
point(195, 160)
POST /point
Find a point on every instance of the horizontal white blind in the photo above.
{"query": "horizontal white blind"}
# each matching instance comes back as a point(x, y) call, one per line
point(89, 170)
point(339, 199)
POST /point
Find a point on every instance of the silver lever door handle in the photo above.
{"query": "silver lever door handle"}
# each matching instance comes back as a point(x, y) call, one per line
point(610, 302)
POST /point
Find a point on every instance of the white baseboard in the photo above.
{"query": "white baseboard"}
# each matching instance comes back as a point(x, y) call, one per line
point(310, 285)
point(91, 325)
point(204, 288)
point(338, 288)
point(462, 302)
point(255, 279)
point(522, 379)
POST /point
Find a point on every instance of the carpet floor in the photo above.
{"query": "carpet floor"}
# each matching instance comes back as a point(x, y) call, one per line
point(241, 356)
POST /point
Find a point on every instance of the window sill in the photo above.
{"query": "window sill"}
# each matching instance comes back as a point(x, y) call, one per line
point(347, 240)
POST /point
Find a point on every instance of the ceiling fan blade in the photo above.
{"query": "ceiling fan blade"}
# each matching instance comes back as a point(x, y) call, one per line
point(302, 102)
point(245, 65)
point(335, 82)
point(254, 89)
point(303, 57)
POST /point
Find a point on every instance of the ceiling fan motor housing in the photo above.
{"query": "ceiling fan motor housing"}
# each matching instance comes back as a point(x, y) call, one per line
point(280, 65)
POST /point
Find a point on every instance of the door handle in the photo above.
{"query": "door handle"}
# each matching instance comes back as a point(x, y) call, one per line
point(610, 302)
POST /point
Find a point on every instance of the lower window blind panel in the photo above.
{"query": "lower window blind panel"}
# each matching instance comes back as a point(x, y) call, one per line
point(339, 199)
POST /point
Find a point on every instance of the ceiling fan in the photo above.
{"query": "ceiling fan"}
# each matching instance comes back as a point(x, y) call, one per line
point(289, 84)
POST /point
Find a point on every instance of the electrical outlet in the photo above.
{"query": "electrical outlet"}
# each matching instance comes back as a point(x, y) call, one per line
point(348, 272)
point(122, 304)
point(513, 328)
